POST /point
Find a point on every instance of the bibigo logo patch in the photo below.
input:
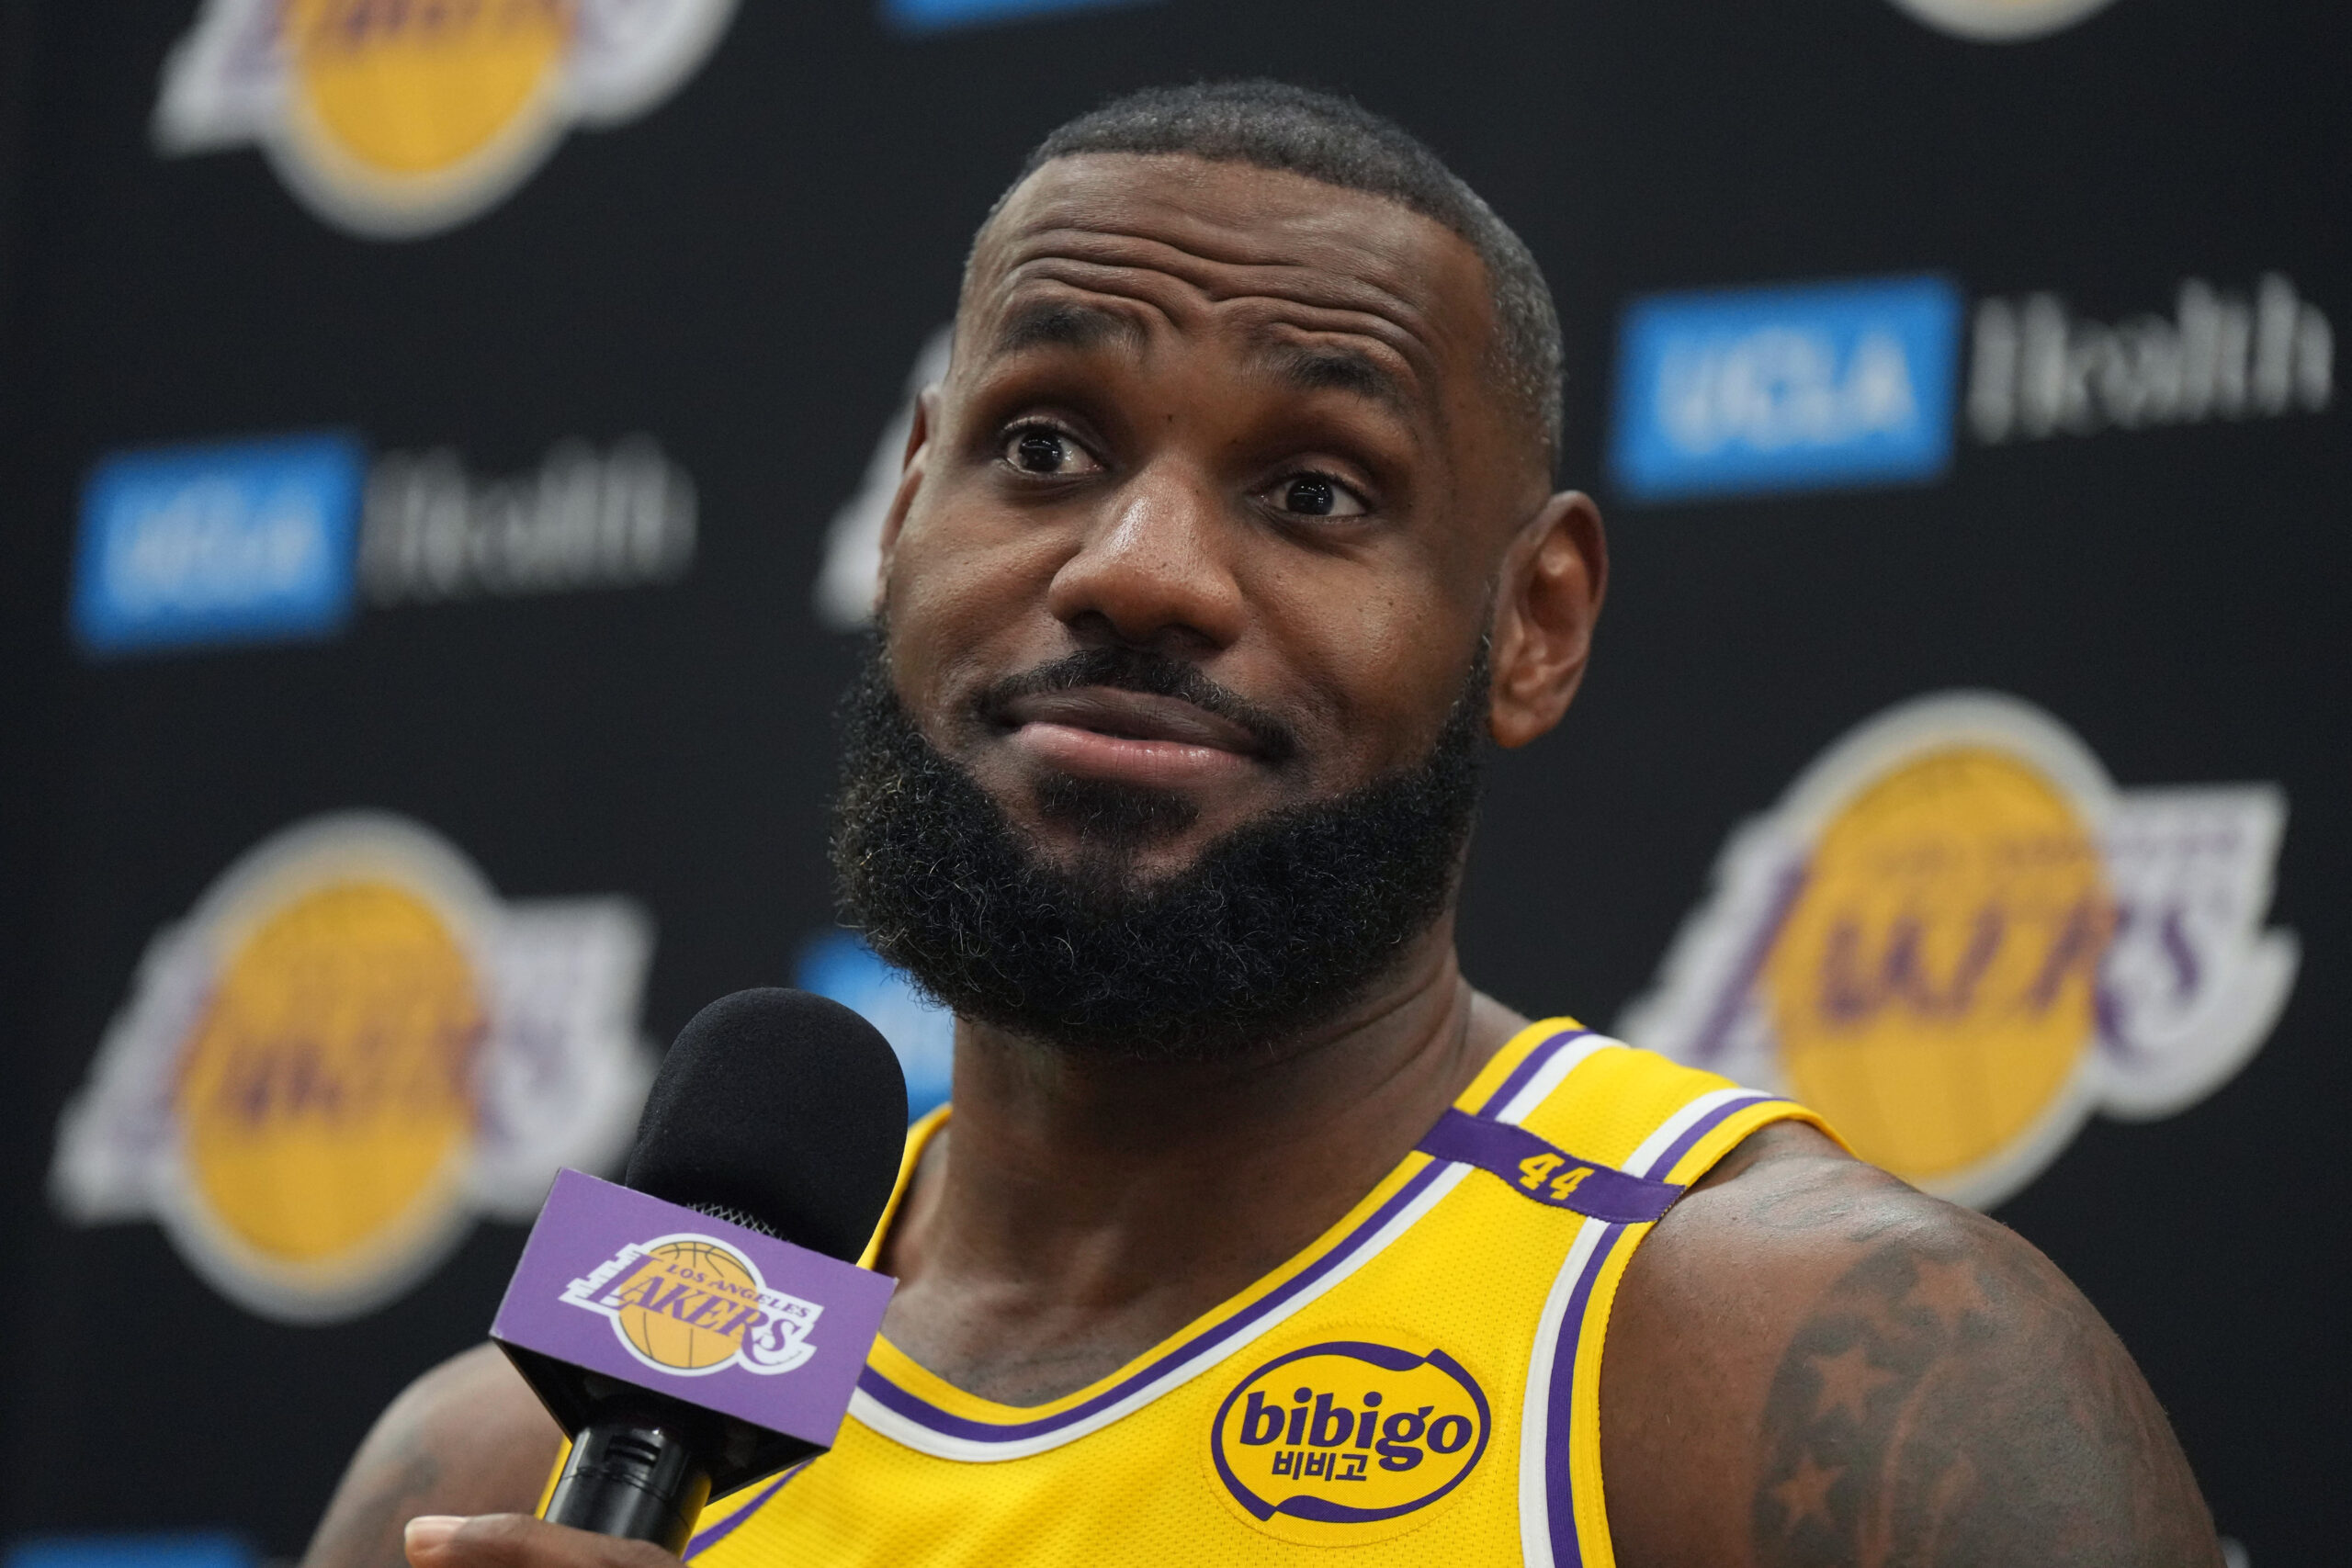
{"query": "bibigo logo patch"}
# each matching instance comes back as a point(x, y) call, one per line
point(347, 1049)
point(1349, 1440)
point(692, 1305)
point(393, 119)
point(1955, 939)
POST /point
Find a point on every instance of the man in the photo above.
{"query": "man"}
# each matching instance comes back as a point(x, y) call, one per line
point(1256, 1229)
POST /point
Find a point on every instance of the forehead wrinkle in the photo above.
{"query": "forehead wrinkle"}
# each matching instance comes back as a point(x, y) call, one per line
point(1333, 282)
point(1283, 327)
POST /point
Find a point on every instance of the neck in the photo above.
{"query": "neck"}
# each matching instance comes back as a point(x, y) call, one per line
point(1081, 1209)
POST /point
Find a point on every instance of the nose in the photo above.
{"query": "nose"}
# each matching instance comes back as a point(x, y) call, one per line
point(1154, 570)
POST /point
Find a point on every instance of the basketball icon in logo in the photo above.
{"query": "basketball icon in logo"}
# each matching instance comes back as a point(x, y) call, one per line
point(325, 1095)
point(678, 1342)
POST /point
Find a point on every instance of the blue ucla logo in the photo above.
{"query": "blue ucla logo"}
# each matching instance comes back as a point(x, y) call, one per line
point(240, 542)
point(1349, 1440)
point(1738, 391)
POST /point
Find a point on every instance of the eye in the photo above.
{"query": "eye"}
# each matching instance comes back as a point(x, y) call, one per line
point(1318, 495)
point(1042, 450)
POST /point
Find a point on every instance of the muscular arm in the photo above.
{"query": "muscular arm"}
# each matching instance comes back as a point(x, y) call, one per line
point(467, 1437)
point(1809, 1363)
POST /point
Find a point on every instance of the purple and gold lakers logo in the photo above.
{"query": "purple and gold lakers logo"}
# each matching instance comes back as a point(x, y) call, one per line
point(402, 117)
point(1348, 1440)
point(1955, 940)
point(348, 1049)
point(692, 1305)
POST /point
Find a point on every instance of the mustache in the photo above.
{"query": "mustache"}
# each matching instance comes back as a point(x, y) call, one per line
point(1147, 673)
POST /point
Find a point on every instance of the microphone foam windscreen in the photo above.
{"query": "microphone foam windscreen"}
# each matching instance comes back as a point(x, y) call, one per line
point(785, 1108)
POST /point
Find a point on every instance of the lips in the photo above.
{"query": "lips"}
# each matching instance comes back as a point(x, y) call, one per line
point(1132, 716)
point(1129, 737)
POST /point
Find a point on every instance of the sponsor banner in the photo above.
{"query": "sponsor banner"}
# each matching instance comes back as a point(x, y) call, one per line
point(838, 964)
point(670, 1299)
point(1811, 387)
point(1755, 391)
point(1349, 1440)
point(273, 540)
point(394, 120)
point(234, 543)
point(350, 1048)
point(2001, 21)
point(2039, 370)
point(1956, 939)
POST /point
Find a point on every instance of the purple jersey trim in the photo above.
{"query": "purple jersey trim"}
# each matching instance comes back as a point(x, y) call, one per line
point(1562, 1181)
point(921, 1411)
point(1559, 1488)
point(705, 1540)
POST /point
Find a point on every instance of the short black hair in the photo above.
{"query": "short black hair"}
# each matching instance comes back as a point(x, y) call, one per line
point(1272, 125)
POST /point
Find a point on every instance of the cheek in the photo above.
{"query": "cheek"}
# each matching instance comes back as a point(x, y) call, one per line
point(960, 587)
point(1385, 660)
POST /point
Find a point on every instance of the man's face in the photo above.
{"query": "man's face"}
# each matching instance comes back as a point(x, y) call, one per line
point(1233, 418)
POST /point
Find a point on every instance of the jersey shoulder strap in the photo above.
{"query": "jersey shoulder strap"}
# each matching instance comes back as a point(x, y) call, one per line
point(1618, 1136)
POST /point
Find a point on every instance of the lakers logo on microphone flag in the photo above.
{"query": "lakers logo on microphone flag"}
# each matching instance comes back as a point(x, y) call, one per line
point(674, 1301)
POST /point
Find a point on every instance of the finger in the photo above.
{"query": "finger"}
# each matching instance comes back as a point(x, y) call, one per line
point(517, 1540)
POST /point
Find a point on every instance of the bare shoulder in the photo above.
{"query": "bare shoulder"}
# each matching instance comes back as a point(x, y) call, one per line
point(1811, 1362)
point(467, 1437)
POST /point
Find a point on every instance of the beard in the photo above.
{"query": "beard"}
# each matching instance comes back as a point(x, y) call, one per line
point(1273, 930)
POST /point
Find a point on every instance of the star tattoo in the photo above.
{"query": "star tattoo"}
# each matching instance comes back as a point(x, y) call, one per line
point(1847, 1380)
point(1805, 1493)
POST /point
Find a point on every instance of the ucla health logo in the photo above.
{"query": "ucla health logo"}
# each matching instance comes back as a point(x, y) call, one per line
point(693, 1306)
point(1348, 1440)
point(398, 120)
point(1734, 391)
point(349, 1048)
point(1956, 939)
point(232, 542)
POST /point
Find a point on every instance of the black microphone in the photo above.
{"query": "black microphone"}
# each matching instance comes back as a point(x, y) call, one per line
point(720, 1360)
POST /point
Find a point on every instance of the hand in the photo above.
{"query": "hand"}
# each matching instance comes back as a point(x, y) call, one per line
point(518, 1540)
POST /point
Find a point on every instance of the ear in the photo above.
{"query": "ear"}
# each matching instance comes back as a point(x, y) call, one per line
point(919, 431)
point(1546, 604)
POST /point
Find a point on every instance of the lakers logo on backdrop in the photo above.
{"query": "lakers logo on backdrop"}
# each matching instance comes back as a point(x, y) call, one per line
point(1955, 939)
point(1348, 1440)
point(691, 1304)
point(349, 1048)
point(404, 117)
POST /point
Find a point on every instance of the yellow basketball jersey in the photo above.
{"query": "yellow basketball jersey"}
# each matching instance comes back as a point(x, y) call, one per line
point(1422, 1384)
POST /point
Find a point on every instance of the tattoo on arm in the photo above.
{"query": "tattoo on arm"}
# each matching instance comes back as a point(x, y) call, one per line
point(1952, 1402)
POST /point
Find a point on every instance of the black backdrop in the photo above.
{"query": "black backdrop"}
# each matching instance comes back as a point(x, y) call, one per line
point(747, 272)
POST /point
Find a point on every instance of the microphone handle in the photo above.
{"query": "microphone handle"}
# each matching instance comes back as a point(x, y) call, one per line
point(636, 1475)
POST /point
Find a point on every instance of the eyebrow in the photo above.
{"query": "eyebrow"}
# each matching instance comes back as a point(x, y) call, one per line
point(1063, 323)
point(1323, 368)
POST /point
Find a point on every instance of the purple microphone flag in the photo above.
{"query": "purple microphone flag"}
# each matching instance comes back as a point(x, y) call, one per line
point(669, 1299)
